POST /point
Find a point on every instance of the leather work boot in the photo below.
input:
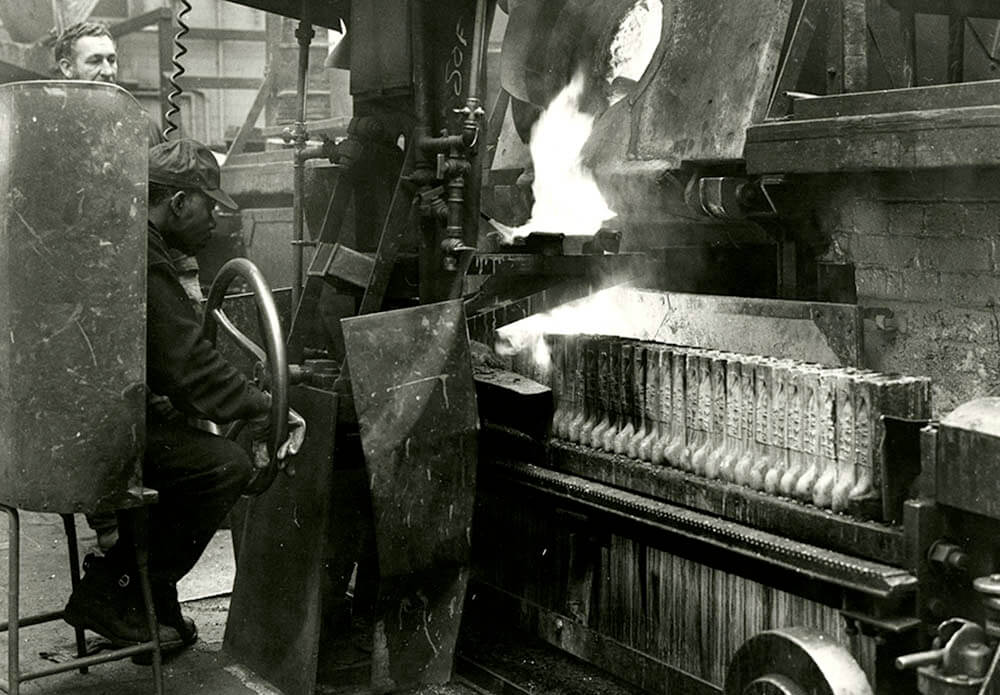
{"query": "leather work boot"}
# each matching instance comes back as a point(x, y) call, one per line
point(108, 601)
point(168, 614)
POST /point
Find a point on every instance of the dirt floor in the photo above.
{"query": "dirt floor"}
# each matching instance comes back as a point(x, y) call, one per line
point(204, 668)
point(488, 660)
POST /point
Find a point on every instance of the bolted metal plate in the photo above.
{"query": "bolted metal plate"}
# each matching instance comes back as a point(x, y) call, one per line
point(411, 374)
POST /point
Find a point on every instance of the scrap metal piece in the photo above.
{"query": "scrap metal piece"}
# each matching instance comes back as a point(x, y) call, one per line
point(411, 374)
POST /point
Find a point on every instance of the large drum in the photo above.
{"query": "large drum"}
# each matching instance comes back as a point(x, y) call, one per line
point(73, 170)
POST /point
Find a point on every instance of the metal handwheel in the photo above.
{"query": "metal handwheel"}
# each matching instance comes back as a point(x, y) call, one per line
point(272, 360)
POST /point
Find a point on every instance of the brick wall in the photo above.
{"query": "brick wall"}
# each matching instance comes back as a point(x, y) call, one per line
point(925, 249)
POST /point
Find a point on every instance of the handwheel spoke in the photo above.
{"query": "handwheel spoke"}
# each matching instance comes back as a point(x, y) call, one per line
point(273, 355)
point(241, 338)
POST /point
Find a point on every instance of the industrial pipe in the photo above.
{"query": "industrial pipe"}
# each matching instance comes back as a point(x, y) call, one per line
point(304, 34)
point(478, 49)
point(421, 100)
point(460, 223)
point(450, 157)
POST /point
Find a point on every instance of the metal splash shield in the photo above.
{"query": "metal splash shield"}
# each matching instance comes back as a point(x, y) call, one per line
point(412, 381)
point(276, 608)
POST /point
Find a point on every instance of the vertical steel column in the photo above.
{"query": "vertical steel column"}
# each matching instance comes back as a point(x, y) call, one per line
point(139, 519)
point(69, 525)
point(855, 45)
point(908, 29)
point(956, 47)
point(421, 99)
point(835, 47)
point(165, 54)
point(13, 600)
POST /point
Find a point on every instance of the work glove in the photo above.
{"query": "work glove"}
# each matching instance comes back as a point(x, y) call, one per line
point(260, 429)
point(296, 435)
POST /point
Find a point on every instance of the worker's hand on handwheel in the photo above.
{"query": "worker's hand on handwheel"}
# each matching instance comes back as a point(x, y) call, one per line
point(260, 429)
point(296, 435)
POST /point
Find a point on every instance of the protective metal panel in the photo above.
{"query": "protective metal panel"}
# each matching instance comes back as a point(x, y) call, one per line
point(412, 381)
point(714, 80)
point(72, 294)
point(276, 608)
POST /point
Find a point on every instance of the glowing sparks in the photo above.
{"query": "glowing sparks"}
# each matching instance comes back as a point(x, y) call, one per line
point(567, 199)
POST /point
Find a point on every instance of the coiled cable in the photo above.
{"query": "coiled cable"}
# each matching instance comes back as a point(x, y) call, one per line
point(175, 87)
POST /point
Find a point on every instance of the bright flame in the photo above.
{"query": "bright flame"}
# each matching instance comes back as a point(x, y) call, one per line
point(567, 199)
point(600, 313)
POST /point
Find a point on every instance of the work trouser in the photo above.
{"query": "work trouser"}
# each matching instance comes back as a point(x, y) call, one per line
point(199, 476)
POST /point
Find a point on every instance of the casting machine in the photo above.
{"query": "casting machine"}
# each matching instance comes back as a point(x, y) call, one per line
point(693, 483)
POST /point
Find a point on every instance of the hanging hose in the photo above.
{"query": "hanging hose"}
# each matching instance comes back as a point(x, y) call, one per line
point(175, 88)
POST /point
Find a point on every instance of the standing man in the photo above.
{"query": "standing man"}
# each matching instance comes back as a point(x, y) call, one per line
point(87, 51)
point(198, 475)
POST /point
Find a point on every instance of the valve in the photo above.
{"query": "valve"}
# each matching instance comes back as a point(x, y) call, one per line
point(989, 591)
point(452, 248)
point(957, 664)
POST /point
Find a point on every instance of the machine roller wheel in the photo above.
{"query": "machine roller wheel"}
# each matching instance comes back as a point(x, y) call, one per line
point(272, 360)
point(794, 661)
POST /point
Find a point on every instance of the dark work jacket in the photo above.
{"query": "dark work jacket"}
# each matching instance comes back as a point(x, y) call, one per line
point(180, 363)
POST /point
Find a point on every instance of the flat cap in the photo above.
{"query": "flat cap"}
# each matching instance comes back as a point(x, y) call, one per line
point(186, 163)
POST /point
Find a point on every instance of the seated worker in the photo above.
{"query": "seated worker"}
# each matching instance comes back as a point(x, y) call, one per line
point(198, 475)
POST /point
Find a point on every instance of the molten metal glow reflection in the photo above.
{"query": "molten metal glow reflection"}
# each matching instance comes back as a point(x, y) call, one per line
point(567, 199)
point(600, 313)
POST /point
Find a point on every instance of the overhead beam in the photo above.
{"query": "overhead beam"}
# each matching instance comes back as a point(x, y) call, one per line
point(324, 13)
point(130, 26)
point(213, 82)
point(205, 34)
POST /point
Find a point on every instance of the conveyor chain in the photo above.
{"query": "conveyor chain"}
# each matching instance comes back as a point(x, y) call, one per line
point(868, 577)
